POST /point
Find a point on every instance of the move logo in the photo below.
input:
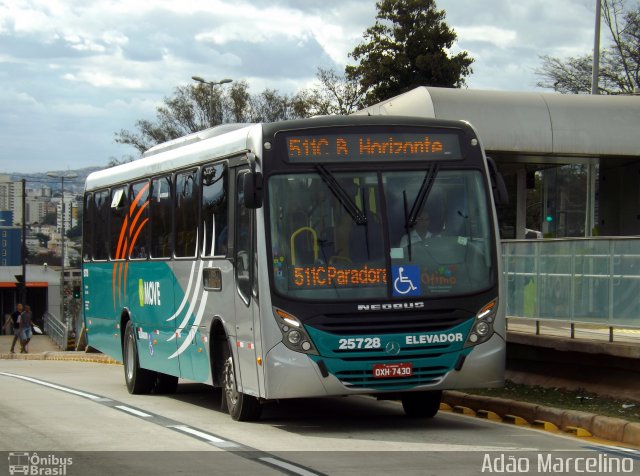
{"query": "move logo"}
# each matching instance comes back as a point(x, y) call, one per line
point(149, 293)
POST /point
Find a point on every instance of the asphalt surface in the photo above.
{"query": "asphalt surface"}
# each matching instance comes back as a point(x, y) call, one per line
point(581, 424)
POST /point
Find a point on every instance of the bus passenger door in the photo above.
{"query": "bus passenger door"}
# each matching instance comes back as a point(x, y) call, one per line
point(244, 349)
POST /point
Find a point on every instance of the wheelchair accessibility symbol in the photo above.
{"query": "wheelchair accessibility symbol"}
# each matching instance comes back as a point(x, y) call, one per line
point(406, 280)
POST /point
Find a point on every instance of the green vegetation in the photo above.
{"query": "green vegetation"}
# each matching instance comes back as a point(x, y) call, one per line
point(566, 399)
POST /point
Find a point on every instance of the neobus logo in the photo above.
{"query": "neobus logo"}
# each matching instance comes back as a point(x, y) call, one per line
point(391, 306)
point(149, 293)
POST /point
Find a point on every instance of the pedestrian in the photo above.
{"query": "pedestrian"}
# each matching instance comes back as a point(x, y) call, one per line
point(15, 327)
point(25, 321)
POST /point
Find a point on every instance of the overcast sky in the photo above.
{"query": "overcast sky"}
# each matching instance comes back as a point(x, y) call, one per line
point(73, 72)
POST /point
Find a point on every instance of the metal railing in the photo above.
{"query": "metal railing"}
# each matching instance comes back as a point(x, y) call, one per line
point(56, 330)
point(576, 280)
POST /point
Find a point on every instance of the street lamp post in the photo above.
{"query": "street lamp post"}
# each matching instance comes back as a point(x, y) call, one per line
point(62, 237)
point(212, 84)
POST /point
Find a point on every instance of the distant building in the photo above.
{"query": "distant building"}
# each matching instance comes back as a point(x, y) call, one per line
point(39, 205)
point(6, 217)
point(11, 198)
point(10, 246)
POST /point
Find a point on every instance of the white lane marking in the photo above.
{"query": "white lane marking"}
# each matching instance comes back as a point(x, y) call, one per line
point(133, 411)
point(57, 387)
point(288, 466)
point(199, 434)
point(219, 442)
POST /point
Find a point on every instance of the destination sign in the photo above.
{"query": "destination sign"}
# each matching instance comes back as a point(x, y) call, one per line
point(330, 276)
point(373, 146)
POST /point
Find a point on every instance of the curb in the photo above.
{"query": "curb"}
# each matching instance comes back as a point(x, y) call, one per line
point(548, 418)
point(76, 356)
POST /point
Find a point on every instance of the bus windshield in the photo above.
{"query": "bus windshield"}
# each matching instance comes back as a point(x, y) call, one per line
point(380, 234)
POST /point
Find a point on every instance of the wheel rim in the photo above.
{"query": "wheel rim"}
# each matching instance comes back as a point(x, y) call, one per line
point(230, 389)
point(130, 357)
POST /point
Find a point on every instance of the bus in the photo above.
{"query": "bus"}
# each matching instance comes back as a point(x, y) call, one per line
point(329, 256)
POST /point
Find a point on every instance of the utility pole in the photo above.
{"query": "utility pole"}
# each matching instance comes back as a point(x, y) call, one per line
point(71, 175)
point(23, 290)
point(212, 84)
point(595, 71)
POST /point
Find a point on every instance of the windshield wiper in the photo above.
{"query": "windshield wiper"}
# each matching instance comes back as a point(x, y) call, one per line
point(421, 198)
point(411, 217)
point(341, 194)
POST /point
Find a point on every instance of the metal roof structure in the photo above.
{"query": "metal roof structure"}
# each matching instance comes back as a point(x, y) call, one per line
point(531, 123)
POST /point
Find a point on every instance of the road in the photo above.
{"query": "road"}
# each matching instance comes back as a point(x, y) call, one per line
point(79, 410)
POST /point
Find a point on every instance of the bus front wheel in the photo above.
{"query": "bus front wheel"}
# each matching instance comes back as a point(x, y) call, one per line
point(421, 404)
point(139, 380)
point(241, 407)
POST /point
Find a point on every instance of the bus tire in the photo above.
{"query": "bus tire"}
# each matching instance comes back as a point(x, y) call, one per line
point(165, 384)
point(421, 404)
point(241, 407)
point(139, 380)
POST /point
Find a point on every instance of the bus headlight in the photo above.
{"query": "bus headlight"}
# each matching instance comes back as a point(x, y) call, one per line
point(293, 334)
point(294, 337)
point(482, 329)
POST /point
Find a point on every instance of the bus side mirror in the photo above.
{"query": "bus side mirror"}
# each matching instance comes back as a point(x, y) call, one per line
point(498, 187)
point(252, 184)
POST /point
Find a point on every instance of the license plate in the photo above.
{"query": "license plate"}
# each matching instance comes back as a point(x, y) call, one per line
point(392, 370)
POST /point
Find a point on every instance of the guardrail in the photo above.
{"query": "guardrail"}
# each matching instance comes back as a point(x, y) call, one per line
point(575, 280)
point(56, 330)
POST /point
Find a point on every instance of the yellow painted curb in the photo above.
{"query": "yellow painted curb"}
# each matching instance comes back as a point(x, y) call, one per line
point(545, 425)
point(515, 420)
point(464, 410)
point(577, 431)
point(489, 415)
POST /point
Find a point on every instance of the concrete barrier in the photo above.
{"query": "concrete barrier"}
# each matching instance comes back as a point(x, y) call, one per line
point(608, 428)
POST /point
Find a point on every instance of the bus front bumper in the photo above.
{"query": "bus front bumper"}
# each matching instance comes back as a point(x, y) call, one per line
point(290, 374)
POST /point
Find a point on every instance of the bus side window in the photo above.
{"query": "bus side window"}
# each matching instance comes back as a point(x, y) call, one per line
point(87, 228)
point(161, 217)
point(215, 215)
point(139, 218)
point(118, 224)
point(186, 217)
point(101, 225)
point(243, 244)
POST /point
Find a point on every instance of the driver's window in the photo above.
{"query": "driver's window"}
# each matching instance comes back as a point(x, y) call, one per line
point(243, 244)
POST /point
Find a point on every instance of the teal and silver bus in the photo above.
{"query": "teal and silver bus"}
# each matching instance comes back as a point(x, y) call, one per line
point(317, 257)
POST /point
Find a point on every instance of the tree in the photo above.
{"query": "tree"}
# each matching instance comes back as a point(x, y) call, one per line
point(335, 94)
point(271, 106)
point(619, 70)
point(190, 109)
point(43, 239)
point(408, 46)
point(193, 108)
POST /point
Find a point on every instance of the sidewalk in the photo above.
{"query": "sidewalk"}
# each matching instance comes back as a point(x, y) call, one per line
point(39, 343)
point(42, 347)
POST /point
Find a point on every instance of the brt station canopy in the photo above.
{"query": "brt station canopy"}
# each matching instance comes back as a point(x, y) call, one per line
point(572, 168)
point(571, 162)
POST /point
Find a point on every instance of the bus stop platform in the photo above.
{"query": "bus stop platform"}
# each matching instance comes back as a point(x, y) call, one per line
point(38, 344)
point(41, 347)
point(548, 356)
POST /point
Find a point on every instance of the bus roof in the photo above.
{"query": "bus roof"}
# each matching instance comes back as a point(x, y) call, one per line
point(230, 139)
point(224, 140)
